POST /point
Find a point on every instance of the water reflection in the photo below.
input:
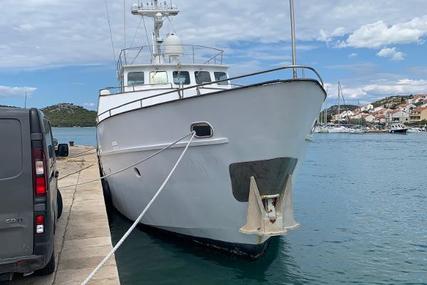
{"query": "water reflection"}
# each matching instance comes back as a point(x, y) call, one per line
point(159, 258)
point(361, 202)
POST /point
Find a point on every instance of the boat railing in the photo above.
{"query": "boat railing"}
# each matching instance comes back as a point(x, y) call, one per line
point(187, 54)
point(224, 84)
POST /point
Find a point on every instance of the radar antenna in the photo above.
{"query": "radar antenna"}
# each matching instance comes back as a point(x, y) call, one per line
point(157, 11)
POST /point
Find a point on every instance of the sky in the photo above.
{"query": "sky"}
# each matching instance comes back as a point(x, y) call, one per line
point(59, 51)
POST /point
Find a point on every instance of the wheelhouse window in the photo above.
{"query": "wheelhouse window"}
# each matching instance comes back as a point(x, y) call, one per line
point(159, 77)
point(181, 77)
point(221, 76)
point(202, 77)
point(135, 78)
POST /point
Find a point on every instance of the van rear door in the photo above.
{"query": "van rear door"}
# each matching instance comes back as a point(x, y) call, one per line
point(16, 184)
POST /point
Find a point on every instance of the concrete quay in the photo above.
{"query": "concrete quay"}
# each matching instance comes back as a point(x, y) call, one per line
point(82, 235)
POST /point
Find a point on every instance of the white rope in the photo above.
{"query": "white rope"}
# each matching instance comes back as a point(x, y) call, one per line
point(149, 43)
point(136, 33)
point(126, 235)
point(109, 25)
point(142, 47)
point(171, 24)
point(130, 166)
point(124, 24)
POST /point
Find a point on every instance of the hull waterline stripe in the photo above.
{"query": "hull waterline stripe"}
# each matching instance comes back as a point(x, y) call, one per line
point(132, 165)
point(217, 141)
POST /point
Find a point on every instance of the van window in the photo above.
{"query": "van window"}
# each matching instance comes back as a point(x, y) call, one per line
point(10, 148)
point(221, 76)
point(135, 78)
point(181, 77)
point(49, 138)
point(159, 77)
point(202, 77)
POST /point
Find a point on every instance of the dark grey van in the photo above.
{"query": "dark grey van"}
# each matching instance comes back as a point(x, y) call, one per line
point(29, 196)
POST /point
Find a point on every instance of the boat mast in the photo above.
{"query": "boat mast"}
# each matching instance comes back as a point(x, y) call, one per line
point(339, 103)
point(293, 37)
point(158, 12)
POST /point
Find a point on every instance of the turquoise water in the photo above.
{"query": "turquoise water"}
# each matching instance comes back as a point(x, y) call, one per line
point(362, 204)
point(80, 136)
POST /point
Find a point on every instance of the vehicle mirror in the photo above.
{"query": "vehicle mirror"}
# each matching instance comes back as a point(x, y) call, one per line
point(55, 142)
point(63, 150)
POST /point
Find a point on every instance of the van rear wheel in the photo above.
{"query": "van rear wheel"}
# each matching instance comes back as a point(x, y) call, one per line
point(49, 268)
point(59, 204)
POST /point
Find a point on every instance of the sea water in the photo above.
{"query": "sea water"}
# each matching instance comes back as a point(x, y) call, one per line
point(362, 204)
point(80, 136)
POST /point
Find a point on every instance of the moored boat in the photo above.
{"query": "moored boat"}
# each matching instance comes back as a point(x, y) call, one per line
point(398, 128)
point(233, 189)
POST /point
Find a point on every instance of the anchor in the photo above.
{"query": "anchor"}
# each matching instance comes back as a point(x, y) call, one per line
point(269, 215)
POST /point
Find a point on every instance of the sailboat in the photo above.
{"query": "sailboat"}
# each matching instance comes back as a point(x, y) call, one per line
point(233, 189)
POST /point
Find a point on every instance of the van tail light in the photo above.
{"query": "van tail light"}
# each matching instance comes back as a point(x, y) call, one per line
point(40, 186)
point(39, 172)
point(40, 224)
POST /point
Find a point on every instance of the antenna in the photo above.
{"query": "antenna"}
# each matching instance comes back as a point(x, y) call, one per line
point(158, 13)
point(293, 38)
point(25, 102)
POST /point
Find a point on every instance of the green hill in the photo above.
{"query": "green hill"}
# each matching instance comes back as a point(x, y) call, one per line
point(70, 115)
point(391, 102)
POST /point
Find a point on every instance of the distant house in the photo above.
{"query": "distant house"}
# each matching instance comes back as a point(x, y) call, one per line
point(399, 116)
point(347, 114)
point(367, 108)
point(370, 118)
point(378, 109)
point(418, 99)
point(419, 114)
point(357, 116)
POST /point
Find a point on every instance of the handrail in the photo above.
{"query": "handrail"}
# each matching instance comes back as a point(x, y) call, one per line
point(191, 52)
point(180, 90)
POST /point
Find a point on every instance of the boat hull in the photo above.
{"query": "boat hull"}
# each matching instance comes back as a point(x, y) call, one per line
point(261, 129)
point(400, 131)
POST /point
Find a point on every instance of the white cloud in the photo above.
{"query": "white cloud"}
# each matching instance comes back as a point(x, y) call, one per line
point(399, 87)
point(9, 91)
point(378, 89)
point(90, 106)
point(391, 53)
point(352, 55)
point(326, 36)
point(380, 34)
point(43, 33)
point(348, 92)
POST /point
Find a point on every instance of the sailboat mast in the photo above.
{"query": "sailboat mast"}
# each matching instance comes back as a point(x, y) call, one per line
point(293, 38)
point(339, 102)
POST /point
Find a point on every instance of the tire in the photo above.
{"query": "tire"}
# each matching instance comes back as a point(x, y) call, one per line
point(59, 204)
point(49, 268)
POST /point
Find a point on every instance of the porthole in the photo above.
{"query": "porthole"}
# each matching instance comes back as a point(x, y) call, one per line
point(202, 130)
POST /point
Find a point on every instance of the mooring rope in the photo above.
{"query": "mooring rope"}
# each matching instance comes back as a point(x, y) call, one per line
point(130, 166)
point(138, 220)
point(75, 172)
point(83, 153)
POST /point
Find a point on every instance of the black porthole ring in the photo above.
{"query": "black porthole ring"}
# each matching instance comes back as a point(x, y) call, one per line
point(202, 129)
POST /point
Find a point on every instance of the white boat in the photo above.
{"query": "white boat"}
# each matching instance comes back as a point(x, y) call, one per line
point(321, 129)
point(398, 128)
point(415, 130)
point(338, 129)
point(233, 188)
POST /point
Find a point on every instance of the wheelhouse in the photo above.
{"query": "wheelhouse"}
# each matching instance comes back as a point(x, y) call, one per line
point(144, 77)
